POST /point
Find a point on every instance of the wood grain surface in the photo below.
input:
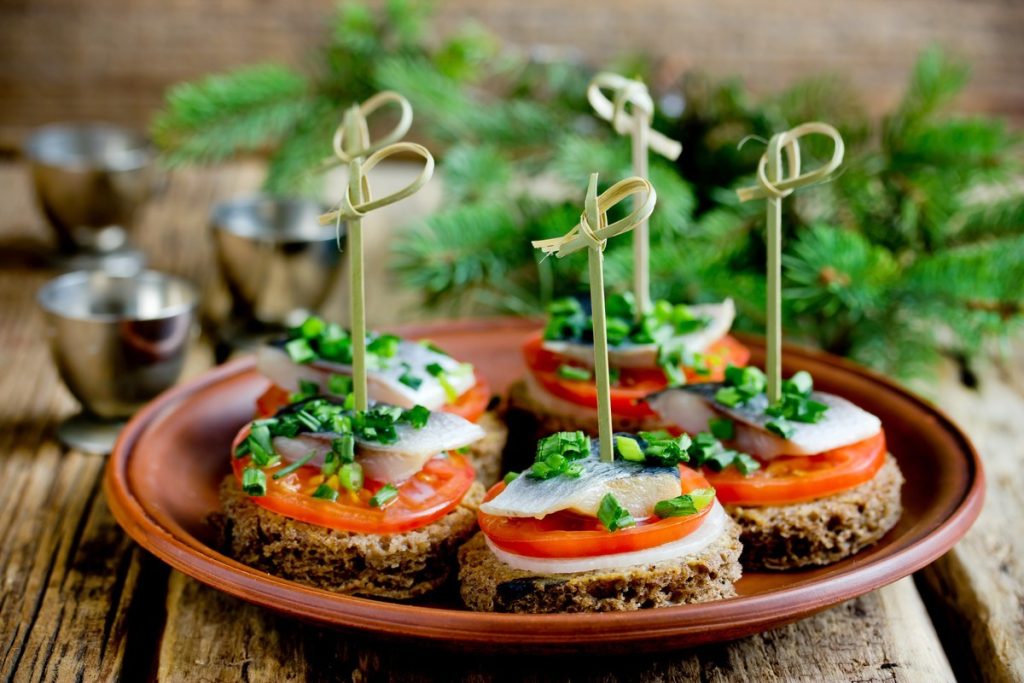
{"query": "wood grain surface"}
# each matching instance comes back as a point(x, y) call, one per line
point(79, 602)
point(112, 59)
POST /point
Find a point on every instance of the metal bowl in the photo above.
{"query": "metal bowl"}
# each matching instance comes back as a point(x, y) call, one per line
point(90, 180)
point(278, 262)
point(117, 341)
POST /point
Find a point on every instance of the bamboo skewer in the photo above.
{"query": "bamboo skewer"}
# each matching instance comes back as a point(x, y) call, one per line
point(637, 124)
point(352, 145)
point(591, 233)
point(774, 186)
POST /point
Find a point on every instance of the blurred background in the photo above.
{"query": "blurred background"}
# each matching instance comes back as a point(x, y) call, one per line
point(913, 254)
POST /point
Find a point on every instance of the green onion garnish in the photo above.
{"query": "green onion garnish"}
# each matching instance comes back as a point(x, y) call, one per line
point(723, 428)
point(571, 372)
point(300, 351)
point(687, 504)
point(325, 492)
point(510, 477)
point(254, 481)
point(351, 476)
point(339, 385)
point(629, 449)
point(612, 515)
point(285, 471)
point(385, 494)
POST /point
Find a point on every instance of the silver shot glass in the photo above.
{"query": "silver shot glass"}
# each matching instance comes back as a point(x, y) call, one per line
point(90, 180)
point(277, 262)
point(117, 341)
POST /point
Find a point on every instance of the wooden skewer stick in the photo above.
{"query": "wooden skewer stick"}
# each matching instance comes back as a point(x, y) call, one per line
point(352, 145)
point(774, 186)
point(591, 233)
point(637, 124)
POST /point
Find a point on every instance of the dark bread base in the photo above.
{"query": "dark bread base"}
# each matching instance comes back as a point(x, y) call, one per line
point(485, 454)
point(397, 566)
point(823, 531)
point(490, 585)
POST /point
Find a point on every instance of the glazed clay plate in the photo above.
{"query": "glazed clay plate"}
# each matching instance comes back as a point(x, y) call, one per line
point(162, 483)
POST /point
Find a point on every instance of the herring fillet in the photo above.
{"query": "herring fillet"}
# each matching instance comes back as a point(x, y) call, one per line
point(692, 406)
point(388, 462)
point(383, 384)
point(636, 487)
point(646, 355)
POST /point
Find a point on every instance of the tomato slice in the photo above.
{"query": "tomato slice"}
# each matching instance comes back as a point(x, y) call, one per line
point(567, 534)
point(471, 405)
point(422, 499)
point(796, 479)
point(634, 383)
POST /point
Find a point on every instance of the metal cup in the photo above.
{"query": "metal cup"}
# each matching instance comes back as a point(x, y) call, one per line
point(278, 263)
point(118, 341)
point(91, 180)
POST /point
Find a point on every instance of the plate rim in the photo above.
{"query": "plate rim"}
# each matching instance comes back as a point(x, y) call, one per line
point(703, 622)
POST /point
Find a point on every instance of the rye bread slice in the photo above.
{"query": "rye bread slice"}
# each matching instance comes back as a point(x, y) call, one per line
point(822, 531)
point(490, 585)
point(398, 566)
point(485, 454)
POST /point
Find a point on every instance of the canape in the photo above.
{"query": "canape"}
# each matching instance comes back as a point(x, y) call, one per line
point(808, 478)
point(372, 502)
point(576, 534)
point(671, 345)
point(316, 358)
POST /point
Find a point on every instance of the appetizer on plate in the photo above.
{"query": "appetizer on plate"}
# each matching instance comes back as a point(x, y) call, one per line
point(808, 477)
point(371, 502)
point(316, 358)
point(670, 345)
point(574, 533)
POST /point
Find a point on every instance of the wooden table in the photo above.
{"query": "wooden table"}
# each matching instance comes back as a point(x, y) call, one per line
point(80, 602)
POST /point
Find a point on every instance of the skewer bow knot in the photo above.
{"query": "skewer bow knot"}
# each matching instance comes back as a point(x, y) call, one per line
point(352, 144)
point(586, 235)
point(788, 142)
point(628, 91)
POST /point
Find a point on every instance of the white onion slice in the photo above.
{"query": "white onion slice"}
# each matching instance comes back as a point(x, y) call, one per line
point(705, 535)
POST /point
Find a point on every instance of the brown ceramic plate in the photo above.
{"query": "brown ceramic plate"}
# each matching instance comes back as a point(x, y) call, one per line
point(162, 483)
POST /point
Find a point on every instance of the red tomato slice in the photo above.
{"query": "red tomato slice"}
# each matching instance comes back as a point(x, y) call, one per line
point(567, 534)
point(795, 479)
point(471, 405)
point(634, 383)
point(426, 497)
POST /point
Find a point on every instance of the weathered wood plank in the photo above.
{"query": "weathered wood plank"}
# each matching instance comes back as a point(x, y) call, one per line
point(978, 588)
point(112, 62)
point(882, 636)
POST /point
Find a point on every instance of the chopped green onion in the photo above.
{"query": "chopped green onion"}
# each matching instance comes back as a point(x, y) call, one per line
point(729, 396)
point(800, 383)
point(612, 515)
point(687, 504)
point(723, 428)
point(300, 351)
point(629, 449)
point(285, 471)
point(427, 344)
point(780, 427)
point(254, 481)
point(410, 380)
point(312, 328)
point(351, 476)
point(305, 418)
point(385, 494)
point(417, 416)
point(385, 346)
point(745, 463)
point(325, 492)
point(344, 447)
point(339, 385)
point(510, 477)
point(574, 373)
